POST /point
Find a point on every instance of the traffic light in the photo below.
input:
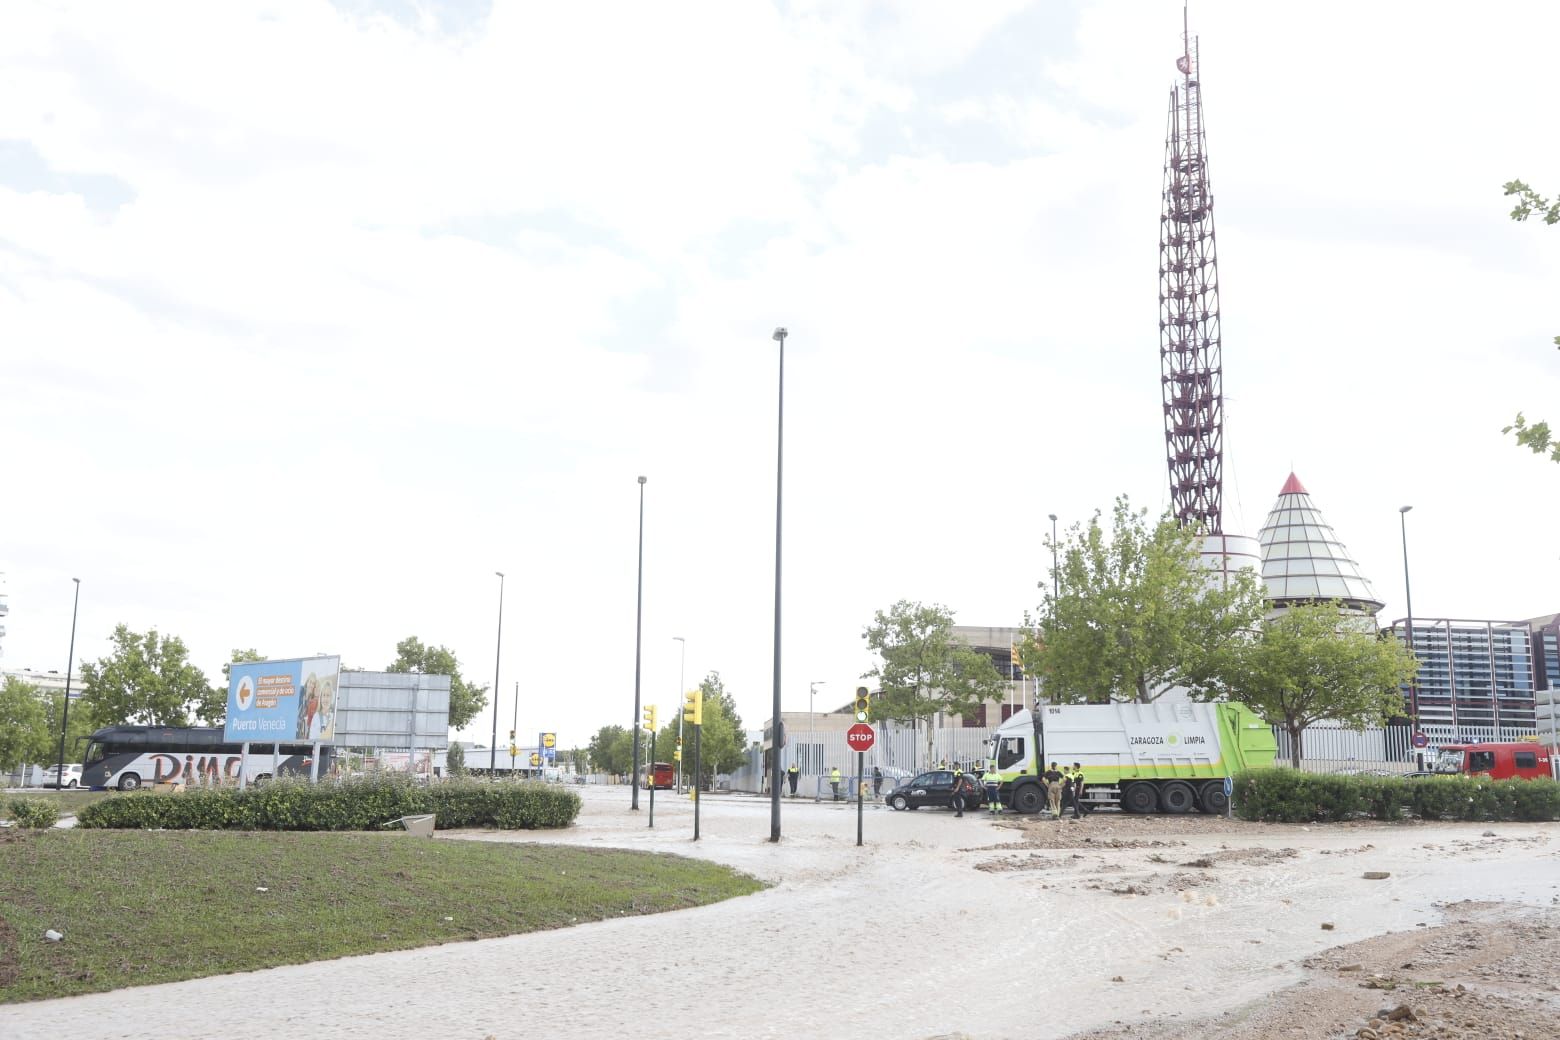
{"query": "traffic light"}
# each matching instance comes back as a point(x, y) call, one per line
point(677, 755)
point(693, 707)
point(861, 704)
point(650, 718)
point(511, 736)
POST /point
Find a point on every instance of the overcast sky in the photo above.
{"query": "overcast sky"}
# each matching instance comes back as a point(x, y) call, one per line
point(315, 315)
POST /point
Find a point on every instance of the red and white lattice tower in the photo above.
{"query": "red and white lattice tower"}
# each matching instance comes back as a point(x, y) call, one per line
point(1191, 365)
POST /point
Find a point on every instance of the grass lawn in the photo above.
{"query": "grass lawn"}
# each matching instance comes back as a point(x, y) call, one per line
point(139, 907)
point(67, 802)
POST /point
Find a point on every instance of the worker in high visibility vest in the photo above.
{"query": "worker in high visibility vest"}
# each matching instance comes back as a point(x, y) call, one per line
point(993, 784)
point(834, 781)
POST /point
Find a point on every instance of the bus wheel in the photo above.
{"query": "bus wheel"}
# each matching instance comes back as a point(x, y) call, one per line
point(1176, 797)
point(129, 782)
point(1140, 798)
point(1026, 798)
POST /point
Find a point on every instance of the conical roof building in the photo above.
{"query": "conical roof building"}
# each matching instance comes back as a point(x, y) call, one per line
point(1302, 559)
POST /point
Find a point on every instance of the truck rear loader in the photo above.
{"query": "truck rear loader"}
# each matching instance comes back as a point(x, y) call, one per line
point(1170, 758)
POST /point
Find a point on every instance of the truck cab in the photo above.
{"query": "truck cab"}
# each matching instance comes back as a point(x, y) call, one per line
point(1498, 761)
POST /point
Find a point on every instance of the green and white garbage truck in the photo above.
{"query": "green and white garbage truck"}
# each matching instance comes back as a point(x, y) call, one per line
point(1157, 757)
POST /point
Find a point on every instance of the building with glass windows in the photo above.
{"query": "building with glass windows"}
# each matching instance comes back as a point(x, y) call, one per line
point(1303, 560)
point(1473, 675)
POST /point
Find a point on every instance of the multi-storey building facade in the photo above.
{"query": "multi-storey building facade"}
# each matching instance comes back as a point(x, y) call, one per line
point(1473, 675)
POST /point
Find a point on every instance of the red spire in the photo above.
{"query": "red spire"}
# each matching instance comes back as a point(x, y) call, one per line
point(1292, 486)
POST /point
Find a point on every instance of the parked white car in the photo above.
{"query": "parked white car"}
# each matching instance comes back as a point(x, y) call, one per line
point(51, 776)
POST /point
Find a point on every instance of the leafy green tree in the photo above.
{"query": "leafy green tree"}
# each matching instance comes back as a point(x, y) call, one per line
point(147, 679)
point(1536, 437)
point(1316, 662)
point(1136, 613)
point(80, 725)
point(612, 750)
point(722, 741)
point(23, 734)
point(924, 671)
point(455, 760)
point(466, 700)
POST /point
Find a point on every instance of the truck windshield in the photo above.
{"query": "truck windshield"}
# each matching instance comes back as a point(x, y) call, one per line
point(1449, 762)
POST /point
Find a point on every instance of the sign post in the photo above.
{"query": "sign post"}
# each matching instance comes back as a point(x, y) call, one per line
point(860, 738)
point(1229, 798)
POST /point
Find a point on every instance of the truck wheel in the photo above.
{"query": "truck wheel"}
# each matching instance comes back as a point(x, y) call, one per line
point(1211, 799)
point(1140, 798)
point(899, 803)
point(1176, 797)
point(1026, 798)
point(129, 782)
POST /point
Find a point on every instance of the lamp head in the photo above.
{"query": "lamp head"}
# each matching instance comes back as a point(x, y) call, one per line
point(499, 573)
point(641, 480)
point(1404, 509)
point(780, 334)
point(1053, 517)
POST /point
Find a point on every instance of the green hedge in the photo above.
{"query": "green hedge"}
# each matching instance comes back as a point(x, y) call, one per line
point(29, 812)
point(356, 804)
point(1288, 796)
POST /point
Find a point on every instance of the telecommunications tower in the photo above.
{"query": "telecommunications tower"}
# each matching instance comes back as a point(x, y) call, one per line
point(1190, 355)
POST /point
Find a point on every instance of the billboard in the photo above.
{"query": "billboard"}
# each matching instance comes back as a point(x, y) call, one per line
point(547, 747)
point(287, 701)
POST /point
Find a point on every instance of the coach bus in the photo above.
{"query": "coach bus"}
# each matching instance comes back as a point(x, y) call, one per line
point(128, 757)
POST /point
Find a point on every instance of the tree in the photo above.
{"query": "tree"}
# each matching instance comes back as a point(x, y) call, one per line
point(214, 708)
point(455, 760)
point(925, 671)
point(1537, 437)
point(612, 750)
point(722, 741)
point(24, 737)
point(80, 725)
point(466, 700)
point(1317, 662)
point(1136, 615)
point(147, 679)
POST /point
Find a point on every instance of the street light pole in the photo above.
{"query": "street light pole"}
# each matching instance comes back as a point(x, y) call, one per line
point(639, 619)
point(1056, 586)
point(682, 677)
point(70, 664)
point(774, 720)
point(498, 656)
point(1413, 684)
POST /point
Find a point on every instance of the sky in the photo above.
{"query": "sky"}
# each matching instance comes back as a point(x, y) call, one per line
point(316, 315)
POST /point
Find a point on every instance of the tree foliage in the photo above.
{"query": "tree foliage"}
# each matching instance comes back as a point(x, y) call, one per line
point(611, 750)
point(23, 738)
point(925, 671)
point(1136, 614)
point(1315, 662)
point(1536, 437)
point(148, 679)
point(467, 700)
point(722, 740)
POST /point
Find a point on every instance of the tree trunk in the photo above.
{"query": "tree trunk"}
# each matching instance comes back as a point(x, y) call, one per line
point(1296, 732)
point(1142, 692)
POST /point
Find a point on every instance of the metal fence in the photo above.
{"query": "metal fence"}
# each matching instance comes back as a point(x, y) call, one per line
point(1330, 747)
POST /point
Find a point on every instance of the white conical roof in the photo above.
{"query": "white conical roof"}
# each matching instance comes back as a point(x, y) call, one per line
point(1302, 559)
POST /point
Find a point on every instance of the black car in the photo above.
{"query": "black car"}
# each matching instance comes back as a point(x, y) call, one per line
point(936, 789)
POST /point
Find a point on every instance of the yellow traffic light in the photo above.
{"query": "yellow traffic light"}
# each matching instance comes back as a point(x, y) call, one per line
point(862, 705)
point(651, 718)
point(693, 707)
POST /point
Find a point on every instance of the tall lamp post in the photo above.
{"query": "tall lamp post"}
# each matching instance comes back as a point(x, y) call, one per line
point(1056, 585)
point(498, 655)
point(682, 677)
point(1413, 684)
point(70, 664)
point(774, 717)
point(639, 619)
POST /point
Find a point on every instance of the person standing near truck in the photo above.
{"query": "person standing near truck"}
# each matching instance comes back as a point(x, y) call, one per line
point(1077, 779)
point(1053, 790)
point(993, 785)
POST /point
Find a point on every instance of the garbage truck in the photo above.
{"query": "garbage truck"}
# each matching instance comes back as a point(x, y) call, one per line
point(1145, 758)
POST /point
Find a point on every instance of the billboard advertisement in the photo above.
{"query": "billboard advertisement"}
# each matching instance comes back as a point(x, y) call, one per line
point(287, 701)
point(547, 747)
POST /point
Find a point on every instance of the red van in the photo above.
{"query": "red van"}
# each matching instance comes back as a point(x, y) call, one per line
point(1499, 761)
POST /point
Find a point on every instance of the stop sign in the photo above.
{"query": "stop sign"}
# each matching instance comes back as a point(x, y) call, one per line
point(860, 737)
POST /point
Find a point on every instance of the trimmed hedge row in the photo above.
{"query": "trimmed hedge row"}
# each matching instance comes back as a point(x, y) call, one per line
point(356, 804)
point(1288, 796)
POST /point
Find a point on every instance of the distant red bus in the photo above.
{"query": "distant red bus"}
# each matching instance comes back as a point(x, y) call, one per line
point(661, 775)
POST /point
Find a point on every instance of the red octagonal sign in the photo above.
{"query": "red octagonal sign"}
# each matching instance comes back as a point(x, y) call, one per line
point(860, 737)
